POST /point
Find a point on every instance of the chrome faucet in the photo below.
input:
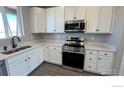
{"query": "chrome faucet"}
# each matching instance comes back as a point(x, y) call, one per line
point(13, 43)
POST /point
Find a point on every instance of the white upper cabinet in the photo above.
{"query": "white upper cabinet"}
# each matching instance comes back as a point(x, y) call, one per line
point(70, 12)
point(50, 19)
point(92, 18)
point(74, 12)
point(37, 16)
point(81, 12)
point(59, 19)
point(105, 19)
point(55, 20)
point(99, 19)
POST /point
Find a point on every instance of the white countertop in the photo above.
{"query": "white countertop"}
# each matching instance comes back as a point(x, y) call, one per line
point(100, 46)
point(34, 44)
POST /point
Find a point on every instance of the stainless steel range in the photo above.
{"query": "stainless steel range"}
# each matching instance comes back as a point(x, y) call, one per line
point(73, 53)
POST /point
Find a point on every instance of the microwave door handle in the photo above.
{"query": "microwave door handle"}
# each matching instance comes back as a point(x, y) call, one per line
point(79, 26)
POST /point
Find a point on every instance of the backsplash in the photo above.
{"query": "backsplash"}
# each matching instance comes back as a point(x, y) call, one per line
point(63, 36)
point(8, 43)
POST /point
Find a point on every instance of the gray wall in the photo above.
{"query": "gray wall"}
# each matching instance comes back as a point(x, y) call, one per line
point(117, 37)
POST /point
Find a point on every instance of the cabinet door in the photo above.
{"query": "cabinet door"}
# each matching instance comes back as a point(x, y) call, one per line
point(92, 18)
point(91, 59)
point(38, 20)
point(90, 67)
point(104, 65)
point(105, 19)
point(19, 68)
point(81, 12)
point(33, 60)
point(45, 53)
point(70, 12)
point(55, 55)
point(40, 50)
point(90, 63)
point(59, 19)
point(50, 20)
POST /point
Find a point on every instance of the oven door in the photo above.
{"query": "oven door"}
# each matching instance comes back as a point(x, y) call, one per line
point(73, 59)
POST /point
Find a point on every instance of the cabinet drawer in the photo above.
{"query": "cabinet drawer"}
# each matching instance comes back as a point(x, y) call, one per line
point(106, 53)
point(91, 59)
point(91, 52)
point(90, 67)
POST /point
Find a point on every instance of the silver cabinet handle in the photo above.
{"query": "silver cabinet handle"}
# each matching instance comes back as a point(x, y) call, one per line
point(97, 30)
point(74, 17)
point(105, 53)
point(89, 66)
point(90, 52)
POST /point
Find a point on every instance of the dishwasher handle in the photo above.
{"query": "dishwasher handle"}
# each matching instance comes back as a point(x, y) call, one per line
point(81, 52)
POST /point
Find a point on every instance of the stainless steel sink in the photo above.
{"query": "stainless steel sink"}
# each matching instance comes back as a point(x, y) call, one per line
point(16, 50)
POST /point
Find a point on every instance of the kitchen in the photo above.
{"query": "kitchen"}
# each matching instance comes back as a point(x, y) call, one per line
point(68, 40)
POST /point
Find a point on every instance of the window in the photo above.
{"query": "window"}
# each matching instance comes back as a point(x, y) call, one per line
point(10, 22)
point(2, 31)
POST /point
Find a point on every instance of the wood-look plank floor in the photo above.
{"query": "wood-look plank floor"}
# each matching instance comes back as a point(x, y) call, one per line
point(47, 69)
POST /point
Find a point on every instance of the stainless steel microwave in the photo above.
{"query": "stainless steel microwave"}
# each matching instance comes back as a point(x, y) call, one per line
point(74, 26)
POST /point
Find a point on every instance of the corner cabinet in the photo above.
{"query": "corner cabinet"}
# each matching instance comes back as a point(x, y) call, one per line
point(55, 20)
point(55, 55)
point(100, 62)
point(38, 20)
point(99, 19)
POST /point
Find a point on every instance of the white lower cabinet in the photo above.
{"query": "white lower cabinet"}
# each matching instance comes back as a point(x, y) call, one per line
point(33, 60)
point(55, 55)
point(52, 54)
point(104, 65)
point(41, 56)
point(99, 62)
point(90, 63)
point(45, 53)
point(23, 63)
point(19, 68)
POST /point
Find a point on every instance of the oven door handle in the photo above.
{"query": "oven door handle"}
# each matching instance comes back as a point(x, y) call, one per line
point(74, 52)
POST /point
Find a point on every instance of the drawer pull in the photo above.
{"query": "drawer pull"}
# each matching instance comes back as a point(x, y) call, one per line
point(29, 58)
point(25, 59)
point(90, 58)
point(99, 58)
point(97, 29)
point(89, 66)
point(90, 52)
point(105, 53)
point(74, 17)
